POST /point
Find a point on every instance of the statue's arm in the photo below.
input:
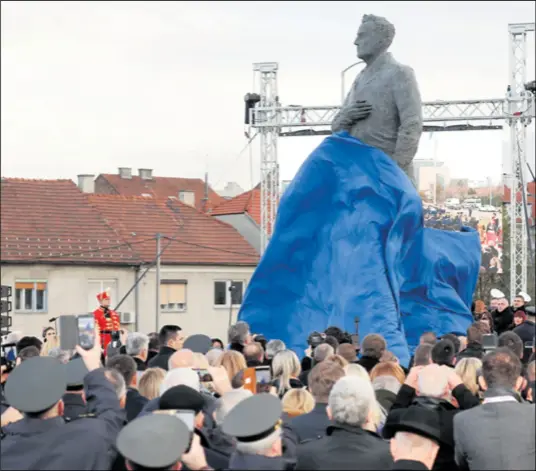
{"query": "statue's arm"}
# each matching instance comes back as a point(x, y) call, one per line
point(341, 121)
point(409, 104)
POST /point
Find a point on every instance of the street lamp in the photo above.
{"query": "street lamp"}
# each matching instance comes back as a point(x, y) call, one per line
point(342, 78)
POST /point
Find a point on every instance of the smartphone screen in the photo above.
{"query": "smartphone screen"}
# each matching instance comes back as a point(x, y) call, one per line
point(68, 332)
point(204, 375)
point(489, 341)
point(86, 331)
point(188, 417)
point(263, 379)
point(205, 379)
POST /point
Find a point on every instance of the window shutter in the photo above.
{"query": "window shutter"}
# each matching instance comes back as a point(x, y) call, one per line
point(24, 285)
point(177, 293)
point(164, 298)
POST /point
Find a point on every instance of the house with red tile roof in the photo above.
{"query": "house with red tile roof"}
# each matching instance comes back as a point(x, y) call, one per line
point(243, 212)
point(60, 246)
point(58, 252)
point(192, 191)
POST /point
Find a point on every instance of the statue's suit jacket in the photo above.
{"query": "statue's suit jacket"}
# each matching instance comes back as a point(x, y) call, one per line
point(395, 122)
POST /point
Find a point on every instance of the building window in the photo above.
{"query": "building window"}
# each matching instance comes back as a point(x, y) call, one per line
point(95, 287)
point(173, 295)
point(227, 293)
point(31, 296)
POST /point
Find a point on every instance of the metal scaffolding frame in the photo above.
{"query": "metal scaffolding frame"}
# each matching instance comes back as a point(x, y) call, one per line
point(519, 101)
point(517, 109)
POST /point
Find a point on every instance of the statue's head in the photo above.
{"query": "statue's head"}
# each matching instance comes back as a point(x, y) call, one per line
point(374, 37)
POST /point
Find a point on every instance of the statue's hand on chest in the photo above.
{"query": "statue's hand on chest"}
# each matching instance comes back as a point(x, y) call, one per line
point(356, 112)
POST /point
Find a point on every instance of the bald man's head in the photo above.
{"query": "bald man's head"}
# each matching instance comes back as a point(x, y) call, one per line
point(181, 359)
point(253, 351)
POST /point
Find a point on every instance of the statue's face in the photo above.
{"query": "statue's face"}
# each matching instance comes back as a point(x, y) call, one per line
point(368, 41)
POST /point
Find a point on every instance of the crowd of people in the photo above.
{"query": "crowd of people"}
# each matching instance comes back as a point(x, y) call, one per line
point(490, 231)
point(170, 401)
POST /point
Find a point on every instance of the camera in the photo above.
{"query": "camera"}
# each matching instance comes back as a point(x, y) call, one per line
point(9, 364)
point(315, 339)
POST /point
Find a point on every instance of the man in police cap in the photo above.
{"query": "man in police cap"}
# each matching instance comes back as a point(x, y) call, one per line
point(255, 423)
point(160, 442)
point(74, 399)
point(42, 439)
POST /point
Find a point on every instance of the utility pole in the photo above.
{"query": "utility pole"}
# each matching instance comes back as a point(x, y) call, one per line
point(157, 311)
point(343, 73)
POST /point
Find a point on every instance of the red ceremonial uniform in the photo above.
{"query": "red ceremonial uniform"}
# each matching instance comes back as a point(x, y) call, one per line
point(106, 325)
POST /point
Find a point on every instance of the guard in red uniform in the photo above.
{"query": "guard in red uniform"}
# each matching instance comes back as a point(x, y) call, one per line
point(107, 320)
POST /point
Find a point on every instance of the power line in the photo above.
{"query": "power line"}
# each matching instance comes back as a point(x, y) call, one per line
point(237, 158)
point(216, 249)
point(84, 252)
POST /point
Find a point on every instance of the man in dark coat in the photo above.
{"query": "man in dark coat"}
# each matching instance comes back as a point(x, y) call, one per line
point(474, 347)
point(126, 366)
point(171, 339)
point(239, 336)
point(372, 348)
point(349, 443)
point(43, 440)
point(313, 425)
point(137, 346)
point(503, 316)
point(255, 425)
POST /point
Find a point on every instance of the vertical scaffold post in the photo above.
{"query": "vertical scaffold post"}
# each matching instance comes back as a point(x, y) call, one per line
point(267, 78)
point(519, 101)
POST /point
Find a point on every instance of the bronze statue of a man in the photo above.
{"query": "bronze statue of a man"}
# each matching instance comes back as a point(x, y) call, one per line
point(383, 108)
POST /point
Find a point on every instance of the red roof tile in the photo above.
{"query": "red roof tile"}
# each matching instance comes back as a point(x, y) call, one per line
point(200, 239)
point(51, 221)
point(246, 203)
point(161, 187)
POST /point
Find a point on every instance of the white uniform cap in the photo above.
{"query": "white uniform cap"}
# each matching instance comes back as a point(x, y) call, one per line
point(525, 297)
point(497, 294)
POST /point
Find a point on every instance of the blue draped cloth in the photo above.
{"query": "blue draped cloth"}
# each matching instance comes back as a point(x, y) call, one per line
point(349, 243)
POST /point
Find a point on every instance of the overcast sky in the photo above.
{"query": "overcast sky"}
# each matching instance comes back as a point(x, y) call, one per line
point(88, 87)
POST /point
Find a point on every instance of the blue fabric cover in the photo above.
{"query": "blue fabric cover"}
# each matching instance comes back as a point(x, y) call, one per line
point(348, 238)
point(437, 297)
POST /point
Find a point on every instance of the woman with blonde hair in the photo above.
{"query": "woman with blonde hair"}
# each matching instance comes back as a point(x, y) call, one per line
point(286, 368)
point(297, 402)
point(50, 341)
point(234, 363)
point(150, 382)
point(467, 369)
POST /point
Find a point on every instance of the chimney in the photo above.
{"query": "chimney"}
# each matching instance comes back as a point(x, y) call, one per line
point(125, 172)
point(187, 197)
point(146, 173)
point(86, 183)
